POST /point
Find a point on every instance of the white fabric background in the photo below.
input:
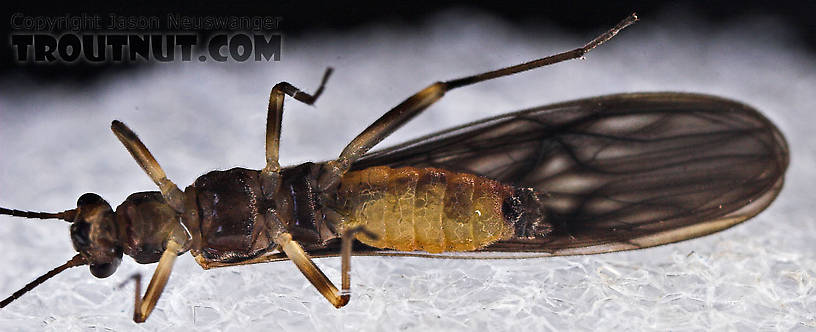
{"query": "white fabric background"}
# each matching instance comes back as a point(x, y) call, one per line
point(55, 144)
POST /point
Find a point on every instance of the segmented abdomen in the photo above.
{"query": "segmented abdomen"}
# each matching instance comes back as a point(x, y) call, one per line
point(426, 209)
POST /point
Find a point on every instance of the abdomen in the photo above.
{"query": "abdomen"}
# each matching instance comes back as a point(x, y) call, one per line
point(427, 209)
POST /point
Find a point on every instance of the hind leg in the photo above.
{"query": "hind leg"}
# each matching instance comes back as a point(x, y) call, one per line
point(414, 105)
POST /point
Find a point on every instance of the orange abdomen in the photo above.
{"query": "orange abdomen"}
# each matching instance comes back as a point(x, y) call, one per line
point(426, 209)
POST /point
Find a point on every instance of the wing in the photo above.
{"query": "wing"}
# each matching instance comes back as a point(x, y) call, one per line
point(617, 172)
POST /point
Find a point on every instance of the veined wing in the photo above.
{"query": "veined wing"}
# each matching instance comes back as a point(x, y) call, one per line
point(617, 172)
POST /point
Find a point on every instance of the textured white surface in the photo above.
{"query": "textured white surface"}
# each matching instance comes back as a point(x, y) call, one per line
point(56, 144)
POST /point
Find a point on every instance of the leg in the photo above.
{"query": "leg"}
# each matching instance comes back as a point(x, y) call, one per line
point(295, 252)
point(144, 306)
point(169, 190)
point(270, 173)
point(415, 104)
point(207, 264)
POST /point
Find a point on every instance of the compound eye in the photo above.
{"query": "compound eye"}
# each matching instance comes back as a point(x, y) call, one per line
point(89, 198)
point(106, 269)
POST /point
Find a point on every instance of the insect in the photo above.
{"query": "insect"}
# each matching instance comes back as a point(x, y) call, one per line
point(595, 175)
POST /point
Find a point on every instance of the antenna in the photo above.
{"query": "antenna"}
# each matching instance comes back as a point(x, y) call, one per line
point(67, 215)
point(76, 261)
